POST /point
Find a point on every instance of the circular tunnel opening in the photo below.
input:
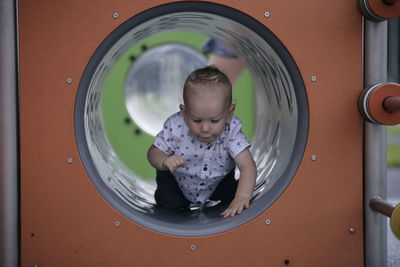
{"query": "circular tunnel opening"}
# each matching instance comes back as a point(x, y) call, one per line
point(280, 115)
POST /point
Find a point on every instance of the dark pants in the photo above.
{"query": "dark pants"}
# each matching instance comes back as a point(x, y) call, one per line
point(169, 195)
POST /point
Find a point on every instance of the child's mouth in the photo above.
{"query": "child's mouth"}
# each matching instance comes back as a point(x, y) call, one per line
point(206, 138)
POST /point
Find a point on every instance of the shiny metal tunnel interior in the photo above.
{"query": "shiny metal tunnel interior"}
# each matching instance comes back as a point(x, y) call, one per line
point(281, 115)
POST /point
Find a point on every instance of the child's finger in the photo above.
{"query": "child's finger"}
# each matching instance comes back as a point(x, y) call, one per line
point(224, 213)
point(235, 210)
point(171, 168)
point(240, 209)
point(174, 165)
point(228, 213)
point(182, 163)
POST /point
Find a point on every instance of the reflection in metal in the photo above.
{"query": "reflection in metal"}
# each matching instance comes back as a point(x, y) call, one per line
point(274, 146)
point(153, 89)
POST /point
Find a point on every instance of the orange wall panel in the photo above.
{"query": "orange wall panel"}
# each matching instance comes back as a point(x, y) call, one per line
point(66, 222)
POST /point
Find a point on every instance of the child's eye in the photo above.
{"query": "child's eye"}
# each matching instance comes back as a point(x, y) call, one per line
point(196, 121)
point(215, 121)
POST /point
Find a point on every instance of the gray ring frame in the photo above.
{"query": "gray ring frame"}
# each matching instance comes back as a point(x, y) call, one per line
point(183, 224)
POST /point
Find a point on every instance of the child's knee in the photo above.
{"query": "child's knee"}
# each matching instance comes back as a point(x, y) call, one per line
point(170, 201)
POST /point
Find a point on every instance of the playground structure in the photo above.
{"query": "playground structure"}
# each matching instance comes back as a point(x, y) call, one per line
point(320, 190)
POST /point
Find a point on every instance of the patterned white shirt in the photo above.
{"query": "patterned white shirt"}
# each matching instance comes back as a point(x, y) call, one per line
point(207, 163)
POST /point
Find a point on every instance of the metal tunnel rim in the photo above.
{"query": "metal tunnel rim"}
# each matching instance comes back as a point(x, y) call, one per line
point(265, 201)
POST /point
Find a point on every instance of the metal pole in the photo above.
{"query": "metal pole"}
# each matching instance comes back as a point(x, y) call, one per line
point(393, 50)
point(375, 141)
point(9, 233)
point(382, 206)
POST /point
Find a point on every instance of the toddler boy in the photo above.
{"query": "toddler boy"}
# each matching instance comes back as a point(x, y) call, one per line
point(196, 152)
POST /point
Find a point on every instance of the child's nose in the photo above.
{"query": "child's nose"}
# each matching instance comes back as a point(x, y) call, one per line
point(204, 127)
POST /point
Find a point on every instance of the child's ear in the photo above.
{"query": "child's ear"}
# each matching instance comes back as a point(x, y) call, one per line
point(182, 108)
point(183, 111)
point(229, 115)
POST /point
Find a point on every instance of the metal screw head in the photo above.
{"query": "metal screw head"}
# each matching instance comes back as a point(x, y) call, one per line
point(313, 157)
point(267, 14)
point(352, 230)
point(193, 247)
point(117, 223)
point(115, 15)
point(313, 78)
point(69, 80)
point(267, 221)
point(70, 160)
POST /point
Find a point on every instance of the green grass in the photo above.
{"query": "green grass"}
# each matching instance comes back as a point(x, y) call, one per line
point(394, 131)
point(393, 155)
point(393, 150)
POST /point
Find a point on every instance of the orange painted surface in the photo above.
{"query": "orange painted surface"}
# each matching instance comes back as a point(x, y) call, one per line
point(66, 222)
point(375, 104)
point(383, 10)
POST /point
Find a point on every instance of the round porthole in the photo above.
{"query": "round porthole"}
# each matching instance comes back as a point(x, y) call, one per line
point(280, 104)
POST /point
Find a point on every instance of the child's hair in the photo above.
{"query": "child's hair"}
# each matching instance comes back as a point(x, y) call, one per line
point(207, 75)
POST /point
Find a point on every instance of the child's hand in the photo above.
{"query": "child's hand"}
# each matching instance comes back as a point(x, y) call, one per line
point(237, 205)
point(173, 162)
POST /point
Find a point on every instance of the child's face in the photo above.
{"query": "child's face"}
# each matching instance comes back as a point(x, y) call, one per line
point(206, 112)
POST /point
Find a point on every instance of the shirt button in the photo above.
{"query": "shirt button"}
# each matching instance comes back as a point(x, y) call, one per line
point(205, 168)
